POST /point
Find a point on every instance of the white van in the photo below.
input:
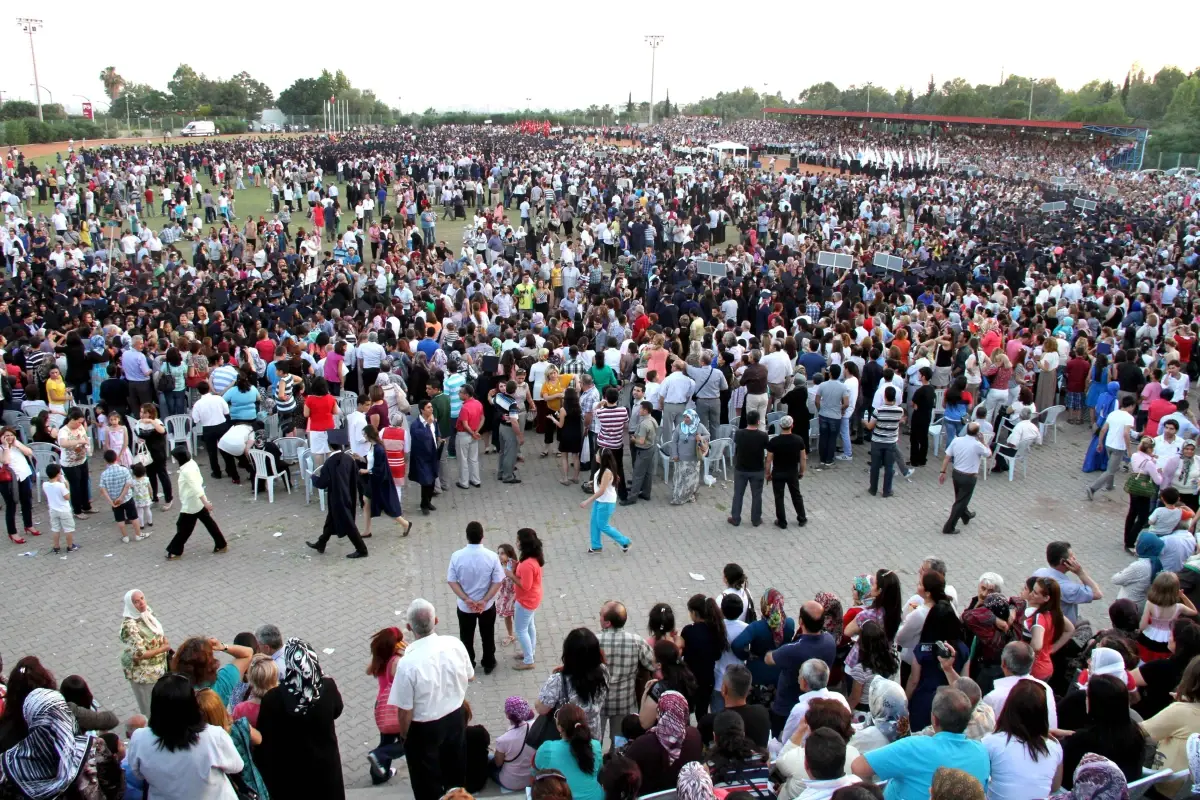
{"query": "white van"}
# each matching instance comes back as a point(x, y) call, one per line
point(199, 128)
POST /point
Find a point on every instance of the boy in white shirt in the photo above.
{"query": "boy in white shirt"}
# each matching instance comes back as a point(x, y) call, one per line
point(58, 499)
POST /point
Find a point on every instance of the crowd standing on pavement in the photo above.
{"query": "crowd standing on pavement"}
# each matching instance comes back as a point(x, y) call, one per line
point(609, 296)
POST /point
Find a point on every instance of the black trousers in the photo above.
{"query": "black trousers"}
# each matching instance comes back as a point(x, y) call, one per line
point(140, 393)
point(435, 755)
point(211, 435)
point(157, 473)
point(918, 440)
point(1136, 519)
point(427, 496)
point(487, 634)
point(24, 494)
point(80, 486)
point(792, 484)
point(186, 523)
point(964, 487)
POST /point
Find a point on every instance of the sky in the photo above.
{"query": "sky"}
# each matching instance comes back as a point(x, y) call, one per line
point(584, 54)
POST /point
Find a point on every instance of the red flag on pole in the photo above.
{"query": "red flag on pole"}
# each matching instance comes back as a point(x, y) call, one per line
point(87, 111)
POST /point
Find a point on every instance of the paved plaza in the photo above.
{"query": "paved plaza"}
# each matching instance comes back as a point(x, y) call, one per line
point(67, 609)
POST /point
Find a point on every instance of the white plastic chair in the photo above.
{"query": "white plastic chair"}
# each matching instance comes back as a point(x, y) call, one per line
point(1138, 788)
point(24, 426)
point(271, 429)
point(665, 451)
point(348, 403)
point(773, 422)
point(1021, 455)
point(716, 454)
point(1049, 419)
point(727, 432)
point(181, 431)
point(307, 467)
point(935, 436)
point(289, 448)
point(262, 459)
point(44, 454)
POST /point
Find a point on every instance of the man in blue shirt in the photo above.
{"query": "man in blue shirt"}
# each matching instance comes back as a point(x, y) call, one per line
point(428, 345)
point(813, 642)
point(1084, 590)
point(475, 577)
point(812, 361)
point(908, 764)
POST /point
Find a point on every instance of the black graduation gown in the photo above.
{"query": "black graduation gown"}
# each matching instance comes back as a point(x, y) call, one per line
point(383, 488)
point(339, 478)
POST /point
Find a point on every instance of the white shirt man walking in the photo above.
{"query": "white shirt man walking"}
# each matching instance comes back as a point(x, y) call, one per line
point(966, 452)
point(429, 689)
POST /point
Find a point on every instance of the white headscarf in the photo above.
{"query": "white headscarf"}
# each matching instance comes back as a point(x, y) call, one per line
point(146, 616)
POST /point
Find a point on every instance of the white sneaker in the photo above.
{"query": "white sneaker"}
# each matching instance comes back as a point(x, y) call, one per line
point(141, 536)
point(844, 458)
point(125, 539)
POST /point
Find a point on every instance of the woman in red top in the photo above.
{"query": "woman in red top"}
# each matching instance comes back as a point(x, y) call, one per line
point(1044, 623)
point(527, 588)
point(319, 406)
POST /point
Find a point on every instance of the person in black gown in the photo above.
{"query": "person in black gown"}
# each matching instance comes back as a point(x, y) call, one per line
point(338, 476)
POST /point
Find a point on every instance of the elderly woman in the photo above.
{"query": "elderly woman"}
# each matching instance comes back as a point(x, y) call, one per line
point(1186, 476)
point(144, 659)
point(1097, 778)
point(45, 763)
point(888, 718)
point(694, 782)
point(689, 446)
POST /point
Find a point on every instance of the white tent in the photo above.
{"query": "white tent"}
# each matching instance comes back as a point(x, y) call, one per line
point(727, 149)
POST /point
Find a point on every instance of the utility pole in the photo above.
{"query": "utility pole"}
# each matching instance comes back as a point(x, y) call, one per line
point(654, 40)
point(868, 98)
point(31, 26)
point(1032, 81)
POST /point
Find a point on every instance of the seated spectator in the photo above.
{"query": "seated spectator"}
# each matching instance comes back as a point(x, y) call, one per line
point(931, 667)
point(983, 719)
point(771, 630)
point(1171, 727)
point(910, 763)
point(814, 680)
point(513, 761)
point(674, 677)
point(1098, 778)
point(75, 691)
point(954, 784)
point(734, 759)
point(1157, 680)
point(694, 782)
point(1107, 731)
point(476, 741)
point(735, 687)
point(876, 658)
point(51, 754)
point(825, 765)
point(1016, 662)
point(822, 714)
point(887, 720)
point(575, 755)
point(663, 750)
point(1026, 763)
point(620, 779)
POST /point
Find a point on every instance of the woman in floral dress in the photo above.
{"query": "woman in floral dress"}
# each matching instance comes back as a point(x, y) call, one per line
point(145, 656)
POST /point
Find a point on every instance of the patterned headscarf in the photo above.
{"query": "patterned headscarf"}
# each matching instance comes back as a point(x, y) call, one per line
point(1097, 778)
point(831, 614)
point(671, 728)
point(694, 782)
point(46, 761)
point(302, 675)
point(689, 423)
point(517, 710)
point(772, 611)
point(1151, 547)
point(862, 587)
point(889, 708)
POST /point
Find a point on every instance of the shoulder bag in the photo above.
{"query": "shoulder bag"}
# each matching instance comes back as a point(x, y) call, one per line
point(544, 729)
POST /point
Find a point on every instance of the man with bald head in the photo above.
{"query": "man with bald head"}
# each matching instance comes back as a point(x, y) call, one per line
point(813, 642)
point(625, 652)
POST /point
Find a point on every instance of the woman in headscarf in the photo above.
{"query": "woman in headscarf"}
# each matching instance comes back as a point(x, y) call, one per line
point(690, 445)
point(1186, 476)
point(1097, 778)
point(768, 632)
point(44, 764)
point(1136, 578)
point(299, 754)
point(144, 658)
point(661, 752)
point(888, 719)
point(513, 762)
point(694, 782)
point(1094, 461)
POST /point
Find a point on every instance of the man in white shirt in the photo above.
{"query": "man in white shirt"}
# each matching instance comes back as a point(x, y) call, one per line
point(966, 452)
point(1016, 661)
point(814, 681)
point(429, 689)
point(211, 413)
point(779, 369)
point(1116, 436)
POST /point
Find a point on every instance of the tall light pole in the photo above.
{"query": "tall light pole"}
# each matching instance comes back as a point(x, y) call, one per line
point(868, 98)
point(654, 40)
point(1032, 82)
point(32, 26)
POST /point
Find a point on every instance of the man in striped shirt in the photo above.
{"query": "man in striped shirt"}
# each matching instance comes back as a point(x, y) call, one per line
point(612, 422)
point(885, 431)
point(223, 376)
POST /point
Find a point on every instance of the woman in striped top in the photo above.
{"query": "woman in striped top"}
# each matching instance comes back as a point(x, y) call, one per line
point(285, 396)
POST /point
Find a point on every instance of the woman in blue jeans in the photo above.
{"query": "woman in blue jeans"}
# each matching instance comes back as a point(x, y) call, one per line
point(604, 500)
point(957, 406)
point(527, 590)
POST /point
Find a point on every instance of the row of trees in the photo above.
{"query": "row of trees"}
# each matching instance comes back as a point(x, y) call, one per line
point(188, 92)
point(307, 95)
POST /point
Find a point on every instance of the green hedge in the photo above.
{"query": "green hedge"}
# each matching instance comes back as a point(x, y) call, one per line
point(34, 131)
point(231, 125)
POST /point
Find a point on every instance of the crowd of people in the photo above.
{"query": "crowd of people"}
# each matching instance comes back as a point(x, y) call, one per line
point(337, 340)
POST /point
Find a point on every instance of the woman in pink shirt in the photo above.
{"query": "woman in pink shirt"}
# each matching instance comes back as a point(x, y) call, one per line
point(335, 368)
point(527, 588)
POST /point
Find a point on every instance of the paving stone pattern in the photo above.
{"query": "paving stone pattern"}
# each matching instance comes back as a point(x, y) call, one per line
point(67, 609)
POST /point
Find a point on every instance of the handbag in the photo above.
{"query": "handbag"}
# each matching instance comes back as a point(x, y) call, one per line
point(166, 381)
point(1140, 484)
point(240, 787)
point(6, 474)
point(544, 729)
point(142, 455)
